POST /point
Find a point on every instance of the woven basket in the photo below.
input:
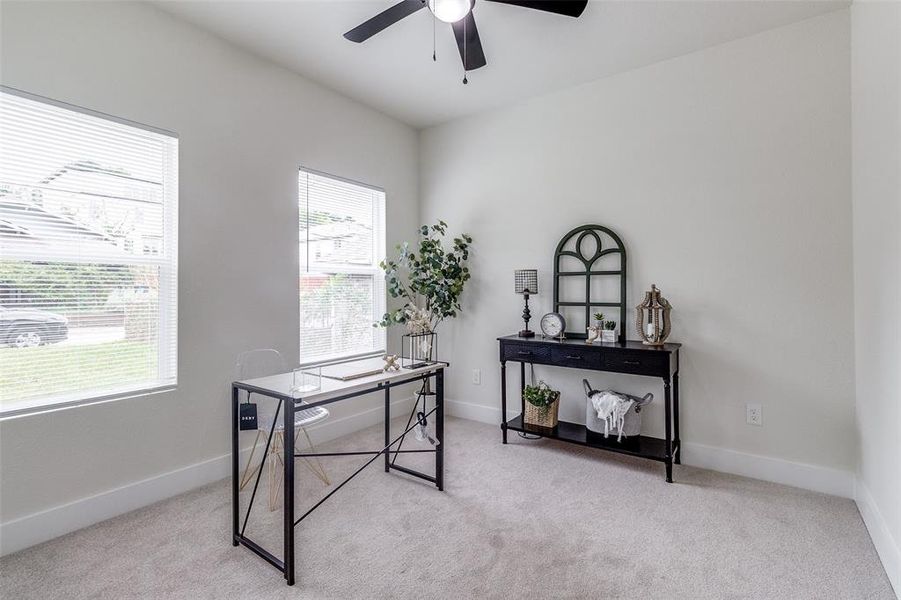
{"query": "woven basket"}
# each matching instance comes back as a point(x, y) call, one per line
point(543, 417)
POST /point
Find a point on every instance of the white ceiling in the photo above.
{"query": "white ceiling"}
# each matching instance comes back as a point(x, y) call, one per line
point(529, 52)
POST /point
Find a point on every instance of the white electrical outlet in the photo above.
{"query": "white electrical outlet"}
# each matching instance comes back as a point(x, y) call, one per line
point(755, 414)
point(477, 376)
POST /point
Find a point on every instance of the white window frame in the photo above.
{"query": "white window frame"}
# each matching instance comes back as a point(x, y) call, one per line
point(170, 211)
point(379, 250)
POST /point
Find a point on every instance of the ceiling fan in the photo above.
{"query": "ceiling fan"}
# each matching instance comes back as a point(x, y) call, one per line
point(459, 14)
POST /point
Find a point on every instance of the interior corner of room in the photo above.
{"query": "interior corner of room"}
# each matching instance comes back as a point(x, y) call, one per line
point(572, 303)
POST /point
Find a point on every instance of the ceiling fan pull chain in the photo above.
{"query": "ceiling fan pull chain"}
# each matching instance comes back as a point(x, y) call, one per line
point(434, 54)
point(465, 81)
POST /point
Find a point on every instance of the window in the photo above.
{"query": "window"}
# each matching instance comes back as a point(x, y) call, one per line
point(88, 254)
point(342, 288)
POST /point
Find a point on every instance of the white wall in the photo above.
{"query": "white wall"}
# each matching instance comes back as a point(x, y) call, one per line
point(245, 126)
point(727, 174)
point(876, 101)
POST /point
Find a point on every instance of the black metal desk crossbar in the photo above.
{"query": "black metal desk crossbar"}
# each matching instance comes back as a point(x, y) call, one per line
point(287, 406)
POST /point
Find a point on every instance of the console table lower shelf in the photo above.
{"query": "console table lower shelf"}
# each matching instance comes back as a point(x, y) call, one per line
point(642, 446)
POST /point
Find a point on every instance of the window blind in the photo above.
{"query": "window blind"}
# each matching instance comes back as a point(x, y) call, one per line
point(88, 254)
point(342, 288)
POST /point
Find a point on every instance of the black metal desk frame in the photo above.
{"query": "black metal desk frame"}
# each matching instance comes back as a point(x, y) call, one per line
point(291, 405)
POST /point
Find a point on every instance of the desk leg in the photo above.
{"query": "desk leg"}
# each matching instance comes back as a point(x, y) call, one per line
point(677, 458)
point(669, 434)
point(235, 434)
point(439, 428)
point(387, 425)
point(504, 400)
point(288, 485)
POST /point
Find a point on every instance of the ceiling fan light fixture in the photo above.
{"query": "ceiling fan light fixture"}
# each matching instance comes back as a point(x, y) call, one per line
point(450, 11)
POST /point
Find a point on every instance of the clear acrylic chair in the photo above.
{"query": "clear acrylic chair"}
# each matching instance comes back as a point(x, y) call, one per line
point(262, 363)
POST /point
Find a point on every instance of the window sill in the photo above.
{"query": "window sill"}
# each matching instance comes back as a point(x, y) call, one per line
point(37, 407)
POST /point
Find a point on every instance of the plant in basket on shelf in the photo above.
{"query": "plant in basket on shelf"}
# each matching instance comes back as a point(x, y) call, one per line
point(542, 404)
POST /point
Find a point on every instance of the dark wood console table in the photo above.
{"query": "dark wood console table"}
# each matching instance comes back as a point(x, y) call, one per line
point(620, 357)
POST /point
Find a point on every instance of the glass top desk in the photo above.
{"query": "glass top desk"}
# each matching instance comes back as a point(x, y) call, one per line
point(278, 387)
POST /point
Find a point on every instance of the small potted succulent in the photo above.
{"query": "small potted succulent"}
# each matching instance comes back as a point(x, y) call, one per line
point(609, 332)
point(599, 320)
point(542, 405)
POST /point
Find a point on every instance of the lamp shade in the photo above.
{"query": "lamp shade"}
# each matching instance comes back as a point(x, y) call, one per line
point(526, 281)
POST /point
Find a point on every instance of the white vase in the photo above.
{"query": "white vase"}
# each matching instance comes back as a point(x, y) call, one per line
point(608, 335)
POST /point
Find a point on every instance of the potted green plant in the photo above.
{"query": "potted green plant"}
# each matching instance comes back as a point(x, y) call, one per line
point(542, 405)
point(609, 332)
point(599, 320)
point(428, 280)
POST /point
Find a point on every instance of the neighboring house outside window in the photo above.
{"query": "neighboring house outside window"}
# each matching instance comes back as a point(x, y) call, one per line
point(342, 288)
point(88, 255)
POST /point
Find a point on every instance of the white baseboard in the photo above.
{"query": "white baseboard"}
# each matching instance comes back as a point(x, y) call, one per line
point(35, 528)
point(887, 546)
point(477, 412)
point(802, 475)
point(810, 477)
point(39, 527)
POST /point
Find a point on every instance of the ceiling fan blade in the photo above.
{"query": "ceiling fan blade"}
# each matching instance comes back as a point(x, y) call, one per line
point(570, 8)
point(384, 19)
point(471, 54)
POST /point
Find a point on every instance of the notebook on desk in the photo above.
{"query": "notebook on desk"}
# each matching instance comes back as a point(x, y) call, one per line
point(354, 369)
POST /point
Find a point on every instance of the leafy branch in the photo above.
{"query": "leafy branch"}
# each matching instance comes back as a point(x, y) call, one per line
point(430, 279)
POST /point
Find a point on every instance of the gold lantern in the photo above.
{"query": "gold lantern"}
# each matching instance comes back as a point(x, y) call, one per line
point(652, 318)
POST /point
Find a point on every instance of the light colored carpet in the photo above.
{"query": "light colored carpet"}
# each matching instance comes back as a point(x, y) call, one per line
point(533, 519)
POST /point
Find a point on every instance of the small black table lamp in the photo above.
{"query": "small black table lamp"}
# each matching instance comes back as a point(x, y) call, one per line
point(526, 282)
